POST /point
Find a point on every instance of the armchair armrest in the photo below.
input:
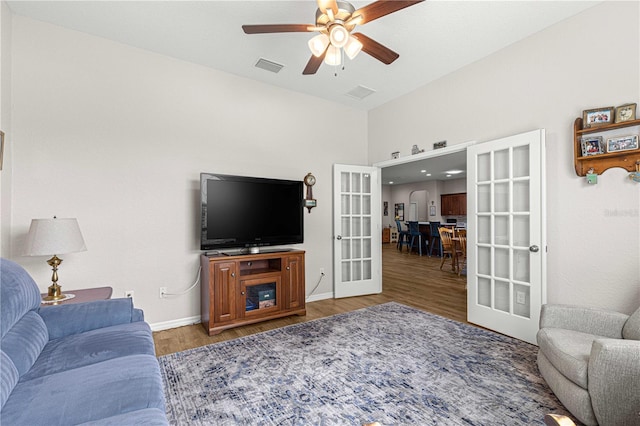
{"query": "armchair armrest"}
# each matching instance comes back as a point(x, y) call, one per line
point(614, 381)
point(64, 320)
point(600, 322)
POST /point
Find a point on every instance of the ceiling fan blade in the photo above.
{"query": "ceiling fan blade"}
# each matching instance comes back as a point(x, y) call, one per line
point(313, 64)
point(381, 8)
point(375, 49)
point(323, 5)
point(277, 28)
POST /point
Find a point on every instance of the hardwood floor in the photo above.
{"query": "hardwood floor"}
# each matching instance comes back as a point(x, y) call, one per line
point(406, 278)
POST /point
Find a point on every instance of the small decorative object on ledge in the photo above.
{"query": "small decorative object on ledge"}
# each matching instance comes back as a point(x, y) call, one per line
point(309, 201)
point(416, 150)
point(625, 112)
point(395, 154)
point(441, 144)
point(635, 176)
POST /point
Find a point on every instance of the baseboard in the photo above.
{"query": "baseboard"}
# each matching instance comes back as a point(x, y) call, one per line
point(316, 297)
point(165, 325)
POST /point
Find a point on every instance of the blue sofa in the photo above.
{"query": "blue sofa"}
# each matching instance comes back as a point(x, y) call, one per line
point(85, 363)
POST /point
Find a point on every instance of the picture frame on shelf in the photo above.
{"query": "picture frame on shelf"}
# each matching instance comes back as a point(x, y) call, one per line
point(626, 112)
point(622, 143)
point(592, 145)
point(597, 117)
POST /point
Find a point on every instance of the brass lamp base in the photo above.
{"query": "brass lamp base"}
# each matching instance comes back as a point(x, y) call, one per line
point(55, 291)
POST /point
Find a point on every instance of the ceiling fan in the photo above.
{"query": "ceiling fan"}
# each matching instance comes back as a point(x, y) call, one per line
point(335, 20)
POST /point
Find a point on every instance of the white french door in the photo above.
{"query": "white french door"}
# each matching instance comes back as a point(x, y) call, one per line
point(506, 240)
point(357, 230)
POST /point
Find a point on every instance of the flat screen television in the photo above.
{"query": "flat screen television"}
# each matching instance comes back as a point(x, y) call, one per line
point(250, 212)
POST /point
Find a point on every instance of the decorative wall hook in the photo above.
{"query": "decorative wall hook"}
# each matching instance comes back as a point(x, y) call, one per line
point(635, 176)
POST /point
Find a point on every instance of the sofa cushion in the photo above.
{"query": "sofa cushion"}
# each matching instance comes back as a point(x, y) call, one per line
point(93, 392)
point(568, 351)
point(8, 375)
point(92, 347)
point(24, 342)
point(631, 329)
point(19, 294)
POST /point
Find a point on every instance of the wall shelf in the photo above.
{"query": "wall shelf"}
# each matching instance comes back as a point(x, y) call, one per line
point(602, 162)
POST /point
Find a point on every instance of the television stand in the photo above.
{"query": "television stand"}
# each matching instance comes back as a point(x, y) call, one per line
point(247, 288)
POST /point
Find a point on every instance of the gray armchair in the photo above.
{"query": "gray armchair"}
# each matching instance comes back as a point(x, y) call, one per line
point(590, 358)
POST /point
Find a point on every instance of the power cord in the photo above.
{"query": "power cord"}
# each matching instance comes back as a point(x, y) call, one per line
point(187, 290)
point(317, 284)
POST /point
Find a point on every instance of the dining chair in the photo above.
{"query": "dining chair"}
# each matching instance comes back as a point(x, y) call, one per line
point(403, 236)
point(448, 248)
point(462, 260)
point(434, 240)
point(414, 232)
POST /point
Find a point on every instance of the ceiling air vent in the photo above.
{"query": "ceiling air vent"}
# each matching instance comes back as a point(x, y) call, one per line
point(360, 92)
point(268, 65)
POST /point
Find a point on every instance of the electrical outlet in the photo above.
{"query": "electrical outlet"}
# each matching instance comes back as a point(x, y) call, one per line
point(129, 294)
point(321, 271)
point(163, 291)
point(520, 297)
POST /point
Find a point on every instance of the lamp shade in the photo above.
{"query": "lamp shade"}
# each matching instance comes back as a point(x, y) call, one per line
point(54, 236)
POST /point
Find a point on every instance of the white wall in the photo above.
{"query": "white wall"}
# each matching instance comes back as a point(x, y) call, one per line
point(546, 81)
point(117, 137)
point(5, 126)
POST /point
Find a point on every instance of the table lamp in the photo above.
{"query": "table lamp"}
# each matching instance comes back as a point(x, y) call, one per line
point(52, 237)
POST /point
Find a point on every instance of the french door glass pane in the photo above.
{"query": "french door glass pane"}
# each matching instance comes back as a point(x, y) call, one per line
point(521, 196)
point(521, 266)
point(501, 196)
point(484, 230)
point(366, 226)
point(356, 226)
point(484, 292)
point(366, 204)
point(366, 269)
point(366, 183)
point(346, 271)
point(344, 182)
point(501, 296)
point(355, 204)
point(502, 230)
point(521, 161)
point(501, 162)
point(521, 231)
point(355, 183)
point(484, 167)
point(357, 270)
point(356, 244)
point(346, 204)
point(484, 198)
point(484, 260)
point(521, 300)
point(346, 227)
point(501, 263)
point(346, 248)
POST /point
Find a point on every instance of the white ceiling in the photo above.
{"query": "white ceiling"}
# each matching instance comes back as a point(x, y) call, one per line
point(433, 38)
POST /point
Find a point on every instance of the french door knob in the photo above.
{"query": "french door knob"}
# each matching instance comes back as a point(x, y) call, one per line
point(534, 249)
point(339, 237)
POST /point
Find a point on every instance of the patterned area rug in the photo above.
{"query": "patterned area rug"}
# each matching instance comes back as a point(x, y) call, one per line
point(388, 363)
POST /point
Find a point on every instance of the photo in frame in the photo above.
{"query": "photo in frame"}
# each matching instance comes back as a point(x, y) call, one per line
point(432, 210)
point(622, 143)
point(399, 211)
point(597, 117)
point(626, 112)
point(592, 145)
point(385, 205)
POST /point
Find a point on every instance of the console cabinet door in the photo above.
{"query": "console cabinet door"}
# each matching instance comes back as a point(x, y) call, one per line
point(224, 302)
point(294, 282)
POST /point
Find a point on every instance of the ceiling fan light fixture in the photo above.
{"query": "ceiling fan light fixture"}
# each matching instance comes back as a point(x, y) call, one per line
point(318, 44)
point(353, 47)
point(333, 56)
point(338, 35)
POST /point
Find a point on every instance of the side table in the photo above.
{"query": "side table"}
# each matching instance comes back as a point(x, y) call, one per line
point(86, 295)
